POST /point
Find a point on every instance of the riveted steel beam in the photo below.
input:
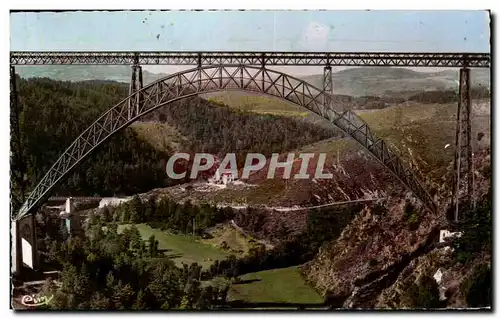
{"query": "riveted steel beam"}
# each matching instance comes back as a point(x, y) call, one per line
point(462, 186)
point(399, 59)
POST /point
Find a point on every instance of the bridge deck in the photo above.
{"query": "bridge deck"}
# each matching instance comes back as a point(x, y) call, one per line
point(63, 198)
point(413, 59)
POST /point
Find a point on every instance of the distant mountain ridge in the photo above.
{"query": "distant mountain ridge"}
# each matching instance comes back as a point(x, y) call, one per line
point(77, 73)
point(364, 81)
point(382, 81)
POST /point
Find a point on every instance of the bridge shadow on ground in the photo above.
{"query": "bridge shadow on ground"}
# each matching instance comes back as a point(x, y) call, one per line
point(168, 253)
point(241, 282)
point(173, 256)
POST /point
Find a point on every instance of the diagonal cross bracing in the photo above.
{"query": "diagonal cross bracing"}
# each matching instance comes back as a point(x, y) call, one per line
point(408, 59)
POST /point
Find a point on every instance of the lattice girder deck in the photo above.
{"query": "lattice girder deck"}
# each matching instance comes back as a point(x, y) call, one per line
point(399, 59)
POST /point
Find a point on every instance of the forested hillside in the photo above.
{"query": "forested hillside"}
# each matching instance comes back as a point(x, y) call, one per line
point(111, 267)
point(218, 129)
point(76, 73)
point(55, 113)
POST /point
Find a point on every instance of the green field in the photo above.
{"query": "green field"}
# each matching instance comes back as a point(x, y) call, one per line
point(284, 285)
point(234, 241)
point(420, 132)
point(181, 248)
point(159, 135)
point(258, 104)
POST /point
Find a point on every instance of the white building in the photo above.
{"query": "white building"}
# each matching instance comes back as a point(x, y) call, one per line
point(224, 177)
point(219, 177)
point(444, 234)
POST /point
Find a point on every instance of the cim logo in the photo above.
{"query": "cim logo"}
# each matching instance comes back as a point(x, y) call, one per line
point(34, 301)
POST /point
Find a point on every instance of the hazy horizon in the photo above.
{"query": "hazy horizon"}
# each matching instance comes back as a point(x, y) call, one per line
point(279, 30)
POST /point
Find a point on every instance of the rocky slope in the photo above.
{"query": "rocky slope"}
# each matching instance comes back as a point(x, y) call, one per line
point(380, 254)
point(419, 132)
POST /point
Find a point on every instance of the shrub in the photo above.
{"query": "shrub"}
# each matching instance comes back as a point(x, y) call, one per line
point(411, 216)
point(224, 245)
point(425, 294)
point(477, 288)
point(486, 171)
point(476, 227)
point(413, 221)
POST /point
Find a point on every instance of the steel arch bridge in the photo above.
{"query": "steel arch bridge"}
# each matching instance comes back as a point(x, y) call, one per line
point(207, 79)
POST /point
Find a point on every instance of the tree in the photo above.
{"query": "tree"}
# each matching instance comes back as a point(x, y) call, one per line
point(134, 217)
point(126, 237)
point(140, 303)
point(476, 227)
point(136, 204)
point(84, 282)
point(164, 285)
point(96, 233)
point(122, 296)
point(99, 301)
point(206, 299)
point(223, 294)
point(425, 294)
point(189, 228)
point(135, 238)
point(142, 250)
point(53, 254)
point(136, 207)
point(110, 283)
point(185, 303)
point(94, 219)
point(153, 246)
point(192, 293)
point(126, 212)
point(411, 216)
point(112, 228)
point(64, 231)
point(477, 287)
point(70, 287)
point(106, 214)
point(149, 209)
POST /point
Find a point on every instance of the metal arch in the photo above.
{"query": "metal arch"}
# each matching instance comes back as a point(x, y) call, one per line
point(211, 79)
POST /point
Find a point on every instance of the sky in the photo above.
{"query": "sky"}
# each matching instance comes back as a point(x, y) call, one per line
point(336, 31)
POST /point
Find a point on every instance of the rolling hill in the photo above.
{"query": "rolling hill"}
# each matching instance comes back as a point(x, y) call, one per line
point(76, 73)
point(388, 81)
point(364, 81)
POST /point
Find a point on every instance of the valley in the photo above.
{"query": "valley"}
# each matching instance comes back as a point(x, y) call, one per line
point(257, 243)
point(181, 248)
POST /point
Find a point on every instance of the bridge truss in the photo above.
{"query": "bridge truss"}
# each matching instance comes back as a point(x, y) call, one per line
point(216, 78)
point(217, 71)
point(400, 59)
